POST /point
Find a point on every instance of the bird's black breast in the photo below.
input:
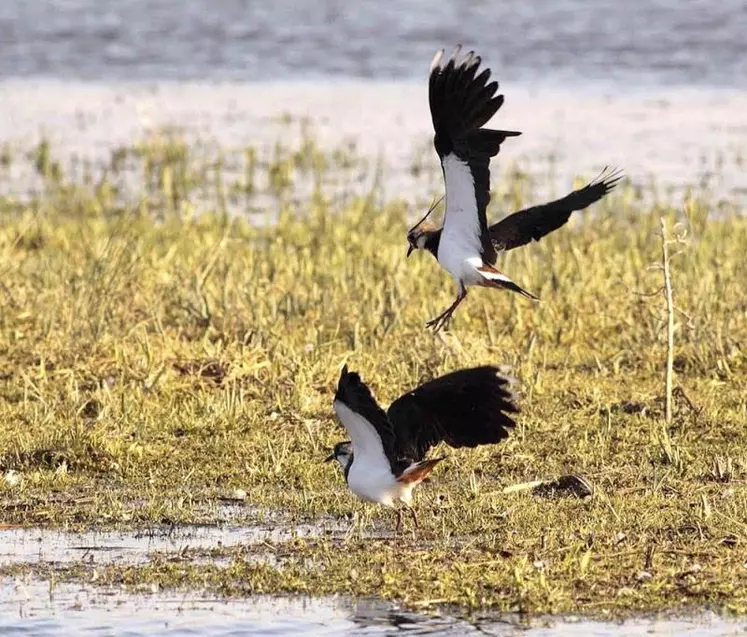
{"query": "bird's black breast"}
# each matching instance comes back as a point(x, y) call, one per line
point(432, 241)
point(443, 144)
point(346, 471)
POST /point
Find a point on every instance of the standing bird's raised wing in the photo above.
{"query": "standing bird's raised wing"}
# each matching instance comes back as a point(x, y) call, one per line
point(461, 101)
point(521, 227)
point(366, 423)
point(465, 408)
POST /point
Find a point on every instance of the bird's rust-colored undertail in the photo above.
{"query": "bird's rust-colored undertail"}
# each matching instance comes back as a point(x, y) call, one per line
point(418, 472)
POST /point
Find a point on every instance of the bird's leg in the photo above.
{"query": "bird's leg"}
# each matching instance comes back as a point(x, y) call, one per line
point(414, 520)
point(442, 319)
point(399, 521)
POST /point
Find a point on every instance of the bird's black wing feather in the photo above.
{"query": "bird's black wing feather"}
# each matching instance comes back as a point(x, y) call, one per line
point(356, 395)
point(461, 101)
point(521, 227)
point(465, 408)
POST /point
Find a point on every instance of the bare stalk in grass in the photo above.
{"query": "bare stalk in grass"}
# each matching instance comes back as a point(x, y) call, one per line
point(665, 258)
point(679, 238)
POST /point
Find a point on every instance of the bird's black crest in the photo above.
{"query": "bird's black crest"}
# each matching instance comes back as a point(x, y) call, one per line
point(340, 446)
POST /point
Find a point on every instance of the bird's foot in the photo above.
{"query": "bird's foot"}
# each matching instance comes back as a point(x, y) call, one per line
point(399, 522)
point(416, 525)
point(441, 321)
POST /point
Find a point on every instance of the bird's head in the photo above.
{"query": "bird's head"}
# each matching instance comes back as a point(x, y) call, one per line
point(419, 235)
point(343, 453)
point(417, 239)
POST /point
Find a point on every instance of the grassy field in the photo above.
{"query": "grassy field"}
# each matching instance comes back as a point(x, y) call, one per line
point(159, 355)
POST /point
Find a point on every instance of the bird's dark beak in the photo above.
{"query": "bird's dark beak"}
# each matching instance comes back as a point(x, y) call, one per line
point(410, 248)
point(329, 458)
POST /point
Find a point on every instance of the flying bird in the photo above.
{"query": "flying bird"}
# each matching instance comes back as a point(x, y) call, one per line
point(385, 458)
point(461, 102)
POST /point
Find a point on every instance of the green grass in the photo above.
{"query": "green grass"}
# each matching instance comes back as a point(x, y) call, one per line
point(154, 360)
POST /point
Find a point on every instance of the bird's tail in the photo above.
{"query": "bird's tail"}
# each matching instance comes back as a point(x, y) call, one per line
point(492, 277)
point(418, 471)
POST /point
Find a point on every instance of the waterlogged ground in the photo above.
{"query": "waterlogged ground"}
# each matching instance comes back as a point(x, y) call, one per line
point(29, 605)
point(165, 397)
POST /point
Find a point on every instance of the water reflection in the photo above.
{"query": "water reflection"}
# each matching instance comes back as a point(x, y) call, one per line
point(33, 607)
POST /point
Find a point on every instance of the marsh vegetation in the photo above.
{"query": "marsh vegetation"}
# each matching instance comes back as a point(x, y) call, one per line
point(163, 353)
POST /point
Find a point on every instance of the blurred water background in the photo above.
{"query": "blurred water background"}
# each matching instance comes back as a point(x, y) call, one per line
point(658, 87)
point(627, 46)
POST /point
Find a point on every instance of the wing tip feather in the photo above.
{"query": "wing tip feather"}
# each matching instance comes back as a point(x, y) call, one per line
point(609, 177)
point(455, 54)
point(459, 93)
point(436, 61)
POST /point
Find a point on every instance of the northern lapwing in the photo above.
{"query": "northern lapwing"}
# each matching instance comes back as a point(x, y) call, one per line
point(385, 458)
point(461, 102)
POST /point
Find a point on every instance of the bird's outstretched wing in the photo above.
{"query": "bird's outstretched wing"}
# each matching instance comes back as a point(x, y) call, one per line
point(465, 408)
point(366, 423)
point(521, 227)
point(461, 101)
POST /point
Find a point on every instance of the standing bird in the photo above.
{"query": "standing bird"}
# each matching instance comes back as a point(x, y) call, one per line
point(385, 458)
point(461, 101)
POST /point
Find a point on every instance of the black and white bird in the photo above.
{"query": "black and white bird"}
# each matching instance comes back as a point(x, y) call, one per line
point(385, 458)
point(461, 102)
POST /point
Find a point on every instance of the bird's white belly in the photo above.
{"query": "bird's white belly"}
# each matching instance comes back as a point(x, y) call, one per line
point(461, 263)
point(376, 486)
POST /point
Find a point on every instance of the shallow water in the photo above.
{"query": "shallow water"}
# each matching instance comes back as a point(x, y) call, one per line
point(32, 607)
point(33, 545)
point(637, 42)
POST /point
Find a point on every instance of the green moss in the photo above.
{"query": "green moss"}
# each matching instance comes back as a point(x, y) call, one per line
point(153, 361)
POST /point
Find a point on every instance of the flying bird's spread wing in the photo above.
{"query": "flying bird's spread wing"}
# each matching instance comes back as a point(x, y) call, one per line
point(461, 101)
point(521, 227)
point(366, 423)
point(466, 408)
